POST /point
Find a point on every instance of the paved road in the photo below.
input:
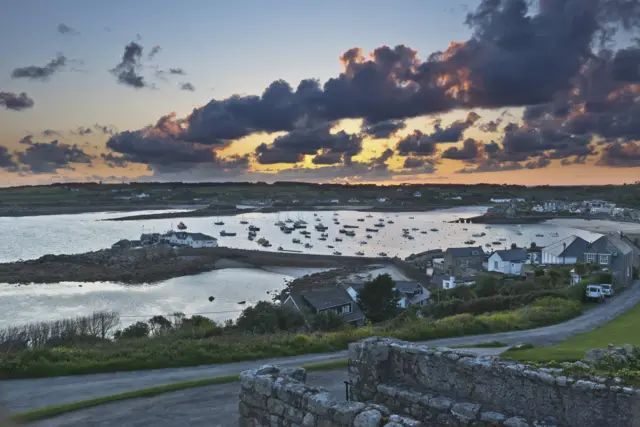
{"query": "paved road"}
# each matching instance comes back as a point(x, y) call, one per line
point(21, 395)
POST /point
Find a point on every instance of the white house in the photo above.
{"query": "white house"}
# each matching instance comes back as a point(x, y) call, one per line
point(508, 261)
point(383, 199)
point(142, 196)
point(354, 200)
point(452, 282)
point(194, 240)
point(417, 194)
point(409, 293)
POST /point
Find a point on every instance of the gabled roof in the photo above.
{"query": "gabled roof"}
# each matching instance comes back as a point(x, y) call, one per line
point(407, 287)
point(517, 254)
point(182, 235)
point(610, 244)
point(466, 251)
point(572, 246)
point(322, 299)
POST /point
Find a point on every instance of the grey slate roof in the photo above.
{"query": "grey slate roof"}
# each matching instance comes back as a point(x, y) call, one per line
point(195, 236)
point(609, 244)
point(514, 255)
point(575, 247)
point(467, 251)
point(322, 299)
point(407, 287)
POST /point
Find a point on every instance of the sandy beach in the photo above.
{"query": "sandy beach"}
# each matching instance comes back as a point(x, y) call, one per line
point(596, 225)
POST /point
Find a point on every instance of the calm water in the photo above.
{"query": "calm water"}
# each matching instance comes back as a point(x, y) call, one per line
point(190, 295)
point(32, 237)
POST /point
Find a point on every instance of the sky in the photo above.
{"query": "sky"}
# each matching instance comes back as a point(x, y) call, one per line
point(441, 91)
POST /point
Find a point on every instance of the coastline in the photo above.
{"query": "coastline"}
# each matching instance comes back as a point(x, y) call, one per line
point(73, 210)
point(602, 226)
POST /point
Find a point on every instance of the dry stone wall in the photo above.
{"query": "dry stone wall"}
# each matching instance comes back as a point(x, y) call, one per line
point(279, 398)
point(445, 387)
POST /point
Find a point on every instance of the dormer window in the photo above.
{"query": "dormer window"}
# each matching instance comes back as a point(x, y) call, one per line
point(345, 309)
point(604, 259)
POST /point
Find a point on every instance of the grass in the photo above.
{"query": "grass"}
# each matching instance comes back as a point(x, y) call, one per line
point(172, 352)
point(55, 410)
point(490, 344)
point(621, 330)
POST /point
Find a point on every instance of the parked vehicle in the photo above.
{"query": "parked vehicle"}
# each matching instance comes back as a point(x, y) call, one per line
point(607, 290)
point(594, 293)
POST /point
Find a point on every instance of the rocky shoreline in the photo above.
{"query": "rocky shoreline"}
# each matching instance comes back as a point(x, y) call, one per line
point(156, 263)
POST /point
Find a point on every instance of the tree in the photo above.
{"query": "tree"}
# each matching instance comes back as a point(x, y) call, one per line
point(378, 298)
point(159, 324)
point(327, 321)
point(266, 317)
point(137, 330)
point(487, 285)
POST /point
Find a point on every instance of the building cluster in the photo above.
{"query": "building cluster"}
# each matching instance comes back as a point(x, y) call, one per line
point(173, 238)
point(614, 253)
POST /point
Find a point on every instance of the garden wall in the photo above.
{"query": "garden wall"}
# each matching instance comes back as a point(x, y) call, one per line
point(458, 388)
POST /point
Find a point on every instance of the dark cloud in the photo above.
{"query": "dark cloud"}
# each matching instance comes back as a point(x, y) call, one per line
point(50, 132)
point(417, 144)
point(105, 129)
point(84, 131)
point(126, 71)
point(420, 165)
point(327, 158)
point(114, 161)
point(6, 159)
point(48, 157)
point(621, 155)
point(65, 29)
point(154, 51)
point(515, 57)
point(177, 71)
point(626, 65)
point(16, 102)
point(188, 87)
point(34, 72)
point(26, 140)
point(469, 152)
point(383, 157)
point(384, 129)
point(492, 165)
point(309, 141)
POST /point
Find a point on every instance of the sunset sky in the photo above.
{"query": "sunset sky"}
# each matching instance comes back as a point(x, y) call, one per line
point(340, 91)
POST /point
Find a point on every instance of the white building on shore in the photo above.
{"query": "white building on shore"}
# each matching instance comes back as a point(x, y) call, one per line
point(194, 240)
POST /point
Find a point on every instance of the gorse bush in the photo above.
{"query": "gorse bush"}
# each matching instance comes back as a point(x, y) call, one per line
point(166, 350)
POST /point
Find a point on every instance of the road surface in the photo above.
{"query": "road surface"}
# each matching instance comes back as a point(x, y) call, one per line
point(22, 395)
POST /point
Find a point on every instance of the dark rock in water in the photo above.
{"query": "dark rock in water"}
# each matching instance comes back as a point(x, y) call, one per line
point(242, 302)
point(211, 299)
point(79, 286)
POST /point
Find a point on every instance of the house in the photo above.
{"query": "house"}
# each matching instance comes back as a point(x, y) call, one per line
point(566, 251)
point(508, 261)
point(324, 300)
point(634, 242)
point(417, 194)
point(408, 293)
point(614, 254)
point(354, 200)
point(411, 293)
point(194, 240)
point(464, 261)
point(535, 255)
point(383, 199)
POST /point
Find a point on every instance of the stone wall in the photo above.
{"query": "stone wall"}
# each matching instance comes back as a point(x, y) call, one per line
point(457, 388)
point(274, 398)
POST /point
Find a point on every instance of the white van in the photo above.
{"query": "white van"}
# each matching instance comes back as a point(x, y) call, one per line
point(594, 293)
point(607, 290)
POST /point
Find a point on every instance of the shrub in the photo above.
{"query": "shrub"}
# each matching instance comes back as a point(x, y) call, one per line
point(578, 291)
point(486, 305)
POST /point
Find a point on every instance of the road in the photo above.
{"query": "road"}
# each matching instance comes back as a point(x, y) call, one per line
point(22, 395)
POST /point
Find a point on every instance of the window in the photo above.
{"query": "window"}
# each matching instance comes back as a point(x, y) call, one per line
point(345, 309)
point(495, 264)
point(464, 263)
point(604, 259)
point(590, 258)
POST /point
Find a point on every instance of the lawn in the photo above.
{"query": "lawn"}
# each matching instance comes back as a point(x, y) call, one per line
point(621, 330)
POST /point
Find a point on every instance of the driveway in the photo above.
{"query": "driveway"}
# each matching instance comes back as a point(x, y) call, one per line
point(22, 395)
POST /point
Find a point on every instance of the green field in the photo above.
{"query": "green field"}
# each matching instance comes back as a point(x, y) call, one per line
point(621, 330)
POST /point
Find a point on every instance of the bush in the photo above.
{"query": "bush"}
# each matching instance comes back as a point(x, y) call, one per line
point(578, 292)
point(327, 321)
point(486, 305)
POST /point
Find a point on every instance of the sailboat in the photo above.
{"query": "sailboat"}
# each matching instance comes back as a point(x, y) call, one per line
point(244, 221)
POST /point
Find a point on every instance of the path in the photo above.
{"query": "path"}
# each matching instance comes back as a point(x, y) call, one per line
point(22, 395)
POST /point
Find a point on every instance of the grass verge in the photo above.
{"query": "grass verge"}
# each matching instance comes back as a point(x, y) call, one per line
point(55, 410)
point(490, 344)
point(621, 330)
